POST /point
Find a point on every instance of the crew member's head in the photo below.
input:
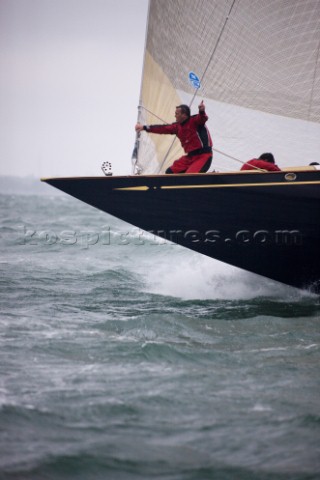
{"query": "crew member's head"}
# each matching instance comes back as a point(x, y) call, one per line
point(182, 113)
point(267, 157)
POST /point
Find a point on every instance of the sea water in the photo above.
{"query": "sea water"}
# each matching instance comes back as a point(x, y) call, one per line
point(124, 356)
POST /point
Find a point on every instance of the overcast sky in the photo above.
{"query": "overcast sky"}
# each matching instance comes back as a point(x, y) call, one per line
point(70, 75)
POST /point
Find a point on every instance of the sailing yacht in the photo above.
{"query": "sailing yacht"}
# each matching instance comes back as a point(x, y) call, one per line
point(256, 66)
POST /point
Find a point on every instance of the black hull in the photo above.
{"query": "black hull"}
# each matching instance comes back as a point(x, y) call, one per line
point(266, 223)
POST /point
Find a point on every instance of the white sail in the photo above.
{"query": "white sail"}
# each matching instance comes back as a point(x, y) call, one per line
point(259, 68)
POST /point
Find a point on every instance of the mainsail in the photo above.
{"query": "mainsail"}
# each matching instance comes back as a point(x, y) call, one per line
point(258, 64)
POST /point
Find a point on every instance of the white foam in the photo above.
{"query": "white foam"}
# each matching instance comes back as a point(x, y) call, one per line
point(189, 276)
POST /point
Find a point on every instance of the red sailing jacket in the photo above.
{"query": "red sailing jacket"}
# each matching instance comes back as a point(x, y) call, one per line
point(192, 133)
point(271, 167)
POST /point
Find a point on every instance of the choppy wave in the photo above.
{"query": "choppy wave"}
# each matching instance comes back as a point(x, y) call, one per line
point(124, 359)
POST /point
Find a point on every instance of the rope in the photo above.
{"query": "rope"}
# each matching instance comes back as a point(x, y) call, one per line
point(214, 149)
point(214, 51)
point(163, 121)
point(201, 80)
point(195, 94)
point(237, 160)
point(151, 113)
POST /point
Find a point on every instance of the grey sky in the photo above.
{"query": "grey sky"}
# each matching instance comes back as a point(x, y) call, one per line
point(69, 84)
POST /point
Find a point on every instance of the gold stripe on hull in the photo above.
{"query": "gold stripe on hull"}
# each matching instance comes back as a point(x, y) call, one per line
point(226, 185)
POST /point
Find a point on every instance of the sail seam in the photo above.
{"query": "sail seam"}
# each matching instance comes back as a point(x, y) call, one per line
point(213, 52)
point(314, 82)
point(201, 80)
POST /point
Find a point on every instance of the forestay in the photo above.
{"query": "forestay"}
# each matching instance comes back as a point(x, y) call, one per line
point(258, 64)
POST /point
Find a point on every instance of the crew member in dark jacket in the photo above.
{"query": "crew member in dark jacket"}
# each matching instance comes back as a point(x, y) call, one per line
point(264, 162)
point(194, 137)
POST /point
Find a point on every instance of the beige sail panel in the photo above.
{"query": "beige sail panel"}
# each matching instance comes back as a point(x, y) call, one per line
point(159, 99)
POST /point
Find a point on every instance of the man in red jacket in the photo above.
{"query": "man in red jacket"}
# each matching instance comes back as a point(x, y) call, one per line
point(194, 137)
point(264, 162)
